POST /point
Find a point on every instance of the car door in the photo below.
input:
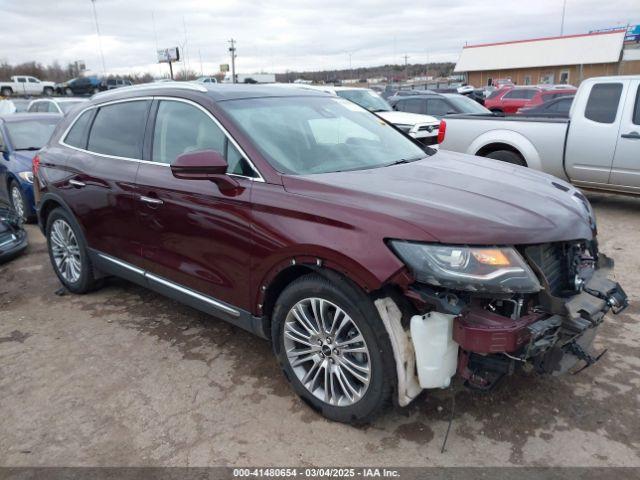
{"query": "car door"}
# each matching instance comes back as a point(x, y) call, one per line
point(594, 131)
point(4, 166)
point(21, 83)
point(625, 170)
point(197, 236)
point(102, 171)
point(33, 86)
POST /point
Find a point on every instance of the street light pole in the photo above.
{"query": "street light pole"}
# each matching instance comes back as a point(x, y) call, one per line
point(95, 17)
point(232, 50)
point(564, 8)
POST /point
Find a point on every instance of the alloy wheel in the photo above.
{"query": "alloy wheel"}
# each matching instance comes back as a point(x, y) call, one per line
point(65, 251)
point(327, 352)
point(18, 202)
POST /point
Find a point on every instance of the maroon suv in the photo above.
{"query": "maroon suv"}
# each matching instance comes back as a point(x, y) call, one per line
point(375, 266)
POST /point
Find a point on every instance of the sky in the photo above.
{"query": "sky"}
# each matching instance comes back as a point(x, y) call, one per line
point(276, 36)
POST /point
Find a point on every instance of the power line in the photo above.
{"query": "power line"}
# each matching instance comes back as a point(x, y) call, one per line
point(95, 17)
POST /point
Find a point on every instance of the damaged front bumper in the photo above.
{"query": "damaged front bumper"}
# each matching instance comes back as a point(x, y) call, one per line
point(548, 334)
point(551, 339)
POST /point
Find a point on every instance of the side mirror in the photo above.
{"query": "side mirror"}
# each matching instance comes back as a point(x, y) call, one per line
point(204, 165)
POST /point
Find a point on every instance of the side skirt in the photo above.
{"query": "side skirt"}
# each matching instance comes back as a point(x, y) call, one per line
point(236, 316)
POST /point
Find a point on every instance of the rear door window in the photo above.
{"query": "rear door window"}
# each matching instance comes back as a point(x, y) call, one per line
point(521, 94)
point(118, 129)
point(602, 105)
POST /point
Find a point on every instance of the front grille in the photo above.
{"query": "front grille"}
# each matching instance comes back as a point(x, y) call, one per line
point(553, 261)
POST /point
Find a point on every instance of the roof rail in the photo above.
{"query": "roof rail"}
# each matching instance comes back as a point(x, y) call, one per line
point(151, 86)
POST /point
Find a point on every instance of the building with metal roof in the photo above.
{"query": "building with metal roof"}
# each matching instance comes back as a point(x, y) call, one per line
point(564, 59)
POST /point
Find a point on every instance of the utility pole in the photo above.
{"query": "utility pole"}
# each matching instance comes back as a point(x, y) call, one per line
point(232, 50)
point(95, 17)
point(406, 66)
point(564, 8)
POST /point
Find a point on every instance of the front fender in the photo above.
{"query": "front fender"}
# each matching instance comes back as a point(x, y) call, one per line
point(511, 138)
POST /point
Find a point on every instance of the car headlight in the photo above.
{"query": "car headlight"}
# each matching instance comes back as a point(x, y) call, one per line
point(475, 269)
point(26, 176)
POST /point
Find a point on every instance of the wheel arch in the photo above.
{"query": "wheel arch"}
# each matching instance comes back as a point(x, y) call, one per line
point(47, 204)
point(495, 140)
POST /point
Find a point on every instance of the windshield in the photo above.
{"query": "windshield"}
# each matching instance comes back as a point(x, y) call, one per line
point(304, 135)
point(466, 105)
point(66, 106)
point(31, 134)
point(366, 99)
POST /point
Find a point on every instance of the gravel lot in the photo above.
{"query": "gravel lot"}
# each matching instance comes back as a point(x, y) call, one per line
point(124, 377)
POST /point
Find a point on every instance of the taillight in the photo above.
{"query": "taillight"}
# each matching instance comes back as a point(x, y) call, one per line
point(35, 164)
point(441, 131)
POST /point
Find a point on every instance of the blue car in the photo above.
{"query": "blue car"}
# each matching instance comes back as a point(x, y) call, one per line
point(21, 136)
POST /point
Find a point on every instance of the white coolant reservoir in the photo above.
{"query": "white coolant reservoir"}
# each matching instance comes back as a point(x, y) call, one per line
point(436, 352)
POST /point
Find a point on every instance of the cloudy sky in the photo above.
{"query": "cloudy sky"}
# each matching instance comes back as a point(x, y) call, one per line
point(280, 35)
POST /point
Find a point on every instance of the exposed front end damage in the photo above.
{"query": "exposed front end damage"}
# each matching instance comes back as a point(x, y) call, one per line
point(549, 331)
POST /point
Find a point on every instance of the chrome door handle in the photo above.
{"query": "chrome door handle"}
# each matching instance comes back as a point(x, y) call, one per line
point(77, 183)
point(634, 135)
point(151, 201)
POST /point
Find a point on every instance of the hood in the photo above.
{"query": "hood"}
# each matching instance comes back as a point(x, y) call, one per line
point(460, 199)
point(404, 118)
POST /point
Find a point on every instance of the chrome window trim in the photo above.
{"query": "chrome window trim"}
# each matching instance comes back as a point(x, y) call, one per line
point(63, 137)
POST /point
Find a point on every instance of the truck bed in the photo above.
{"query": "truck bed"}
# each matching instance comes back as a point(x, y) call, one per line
point(540, 140)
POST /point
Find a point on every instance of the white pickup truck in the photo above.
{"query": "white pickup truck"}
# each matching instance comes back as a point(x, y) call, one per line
point(597, 147)
point(26, 85)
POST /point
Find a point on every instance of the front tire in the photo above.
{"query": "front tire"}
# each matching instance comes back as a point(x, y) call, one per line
point(18, 201)
point(68, 252)
point(68, 92)
point(48, 91)
point(334, 349)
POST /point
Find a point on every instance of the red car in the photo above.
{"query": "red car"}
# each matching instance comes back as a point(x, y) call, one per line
point(509, 100)
point(376, 266)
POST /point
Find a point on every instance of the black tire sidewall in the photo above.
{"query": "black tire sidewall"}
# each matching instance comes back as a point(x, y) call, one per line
point(507, 156)
point(359, 308)
point(86, 281)
point(13, 185)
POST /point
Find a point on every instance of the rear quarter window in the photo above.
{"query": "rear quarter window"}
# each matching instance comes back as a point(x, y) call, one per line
point(602, 105)
point(77, 136)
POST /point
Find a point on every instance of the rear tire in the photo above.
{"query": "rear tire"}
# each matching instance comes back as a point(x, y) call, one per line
point(6, 92)
point(48, 91)
point(68, 92)
point(347, 373)
point(507, 156)
point(68, 252)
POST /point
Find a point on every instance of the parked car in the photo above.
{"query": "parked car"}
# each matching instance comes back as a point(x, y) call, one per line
point(438, 105)
point(558, 107)
point(509, 100)
point(111, 83)
point(423, 128)
point(26, 85)
point(20, 104)
point(54, 105)
point(21, 135)
point(597, 147)
point(307, 220)
point(79, 86)
point(13, 238)
point(207, 80)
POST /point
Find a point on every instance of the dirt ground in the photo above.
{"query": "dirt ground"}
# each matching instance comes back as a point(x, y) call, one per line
point(125, 377)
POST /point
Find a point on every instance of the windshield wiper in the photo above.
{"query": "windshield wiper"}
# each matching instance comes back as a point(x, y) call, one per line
point(31, 149)
point(403, 160)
